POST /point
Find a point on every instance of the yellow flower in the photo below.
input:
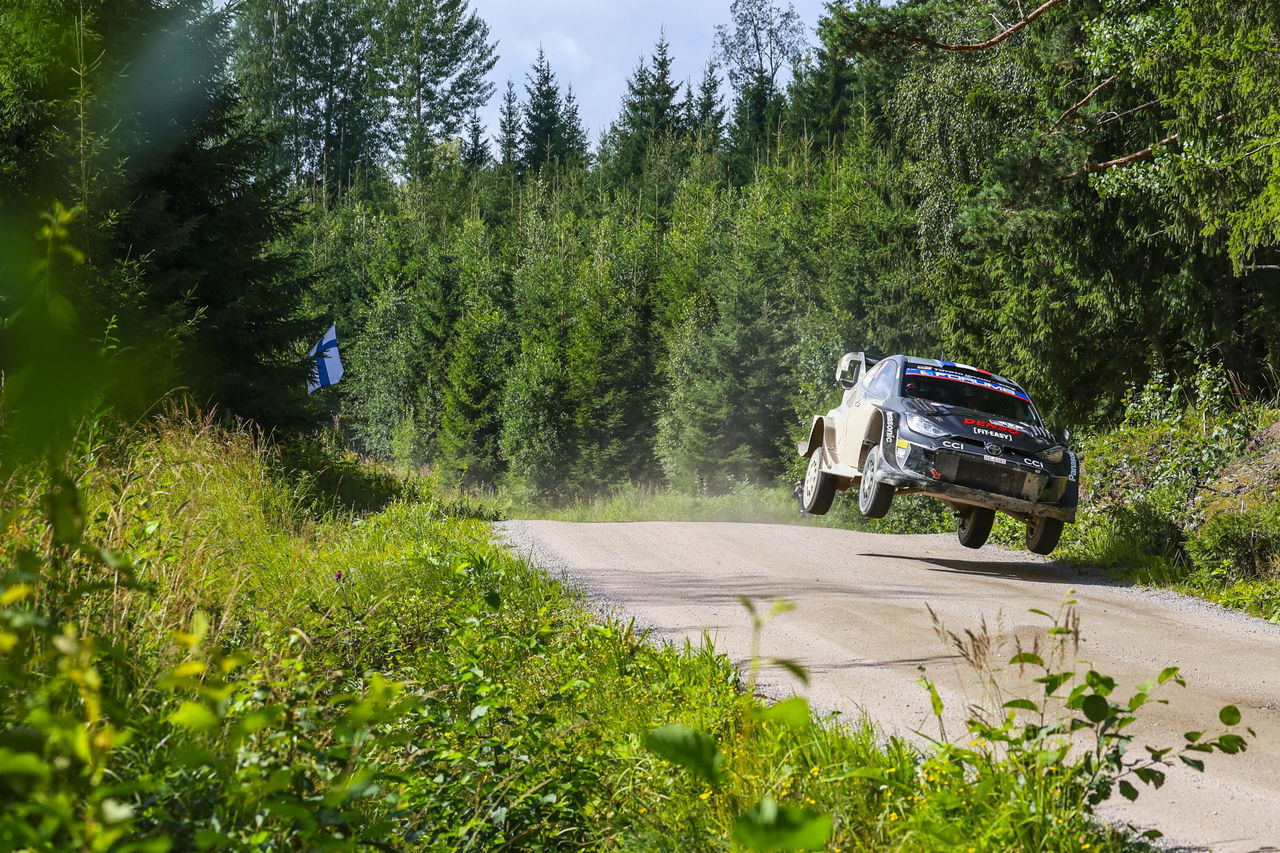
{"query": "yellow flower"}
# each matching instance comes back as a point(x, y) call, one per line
point(704, 795)
point(893, 816)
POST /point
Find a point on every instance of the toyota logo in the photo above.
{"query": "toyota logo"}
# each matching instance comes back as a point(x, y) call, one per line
point(994, 450)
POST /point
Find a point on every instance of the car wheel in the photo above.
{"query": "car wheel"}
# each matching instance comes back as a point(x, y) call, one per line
point(974, 526)
point(1043, 534)
point(874, 497)
point(819, 487)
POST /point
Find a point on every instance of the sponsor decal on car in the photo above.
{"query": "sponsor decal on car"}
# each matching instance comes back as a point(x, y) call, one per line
point(954, 376)
point(1000, 425)
point(1075, 467)
point(952, 445)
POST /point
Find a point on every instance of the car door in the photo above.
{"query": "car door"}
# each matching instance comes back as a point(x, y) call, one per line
point(861, 409)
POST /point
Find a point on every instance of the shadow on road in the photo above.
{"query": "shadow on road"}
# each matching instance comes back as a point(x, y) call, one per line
point(1046, 572)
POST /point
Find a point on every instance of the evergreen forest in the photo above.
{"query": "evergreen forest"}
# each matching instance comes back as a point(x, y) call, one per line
point(1079, 196)
point(235, 615)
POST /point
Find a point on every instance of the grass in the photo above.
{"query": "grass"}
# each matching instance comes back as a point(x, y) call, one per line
point(203, 647)
point(745, 503)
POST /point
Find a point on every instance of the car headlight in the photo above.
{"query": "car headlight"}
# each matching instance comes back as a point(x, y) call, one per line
point(924, 426)
point(1053, 454)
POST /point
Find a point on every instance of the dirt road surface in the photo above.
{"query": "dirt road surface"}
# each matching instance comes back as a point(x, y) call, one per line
point(862, 629)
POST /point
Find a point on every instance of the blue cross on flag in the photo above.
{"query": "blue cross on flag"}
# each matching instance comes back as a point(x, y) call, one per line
point(328, 368)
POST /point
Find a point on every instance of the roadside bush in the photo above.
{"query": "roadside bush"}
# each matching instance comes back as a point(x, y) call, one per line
point(1141, 479)
point(1183, 493)
point(1238, 545)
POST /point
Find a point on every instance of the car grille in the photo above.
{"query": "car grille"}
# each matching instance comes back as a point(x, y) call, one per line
point(999, 479)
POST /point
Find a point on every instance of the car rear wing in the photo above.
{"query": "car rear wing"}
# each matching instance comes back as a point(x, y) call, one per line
point(853, 366)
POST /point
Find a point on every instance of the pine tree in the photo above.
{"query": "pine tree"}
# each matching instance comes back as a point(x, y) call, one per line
point(552, 131)
point(510, 129)
point(649, 115)
point(475, 148)
point(574, 143)
point(706, 111)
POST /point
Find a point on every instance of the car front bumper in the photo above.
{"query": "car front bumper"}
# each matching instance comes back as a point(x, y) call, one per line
point(965, 478)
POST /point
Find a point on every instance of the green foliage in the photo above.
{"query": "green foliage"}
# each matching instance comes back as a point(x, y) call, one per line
point(194, 653)
point(551, 131)
point(1182, 493)
point(162, 256)
point(355, 87)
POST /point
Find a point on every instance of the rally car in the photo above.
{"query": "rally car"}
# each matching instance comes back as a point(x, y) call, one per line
point(969, 438)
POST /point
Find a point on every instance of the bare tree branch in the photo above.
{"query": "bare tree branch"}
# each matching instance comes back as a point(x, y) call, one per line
point(1078, 104)
point(1120, 161)
point(991, 42)
point(1263, 147)
point(1118, 116)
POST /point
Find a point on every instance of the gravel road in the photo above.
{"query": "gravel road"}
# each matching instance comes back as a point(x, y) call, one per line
point(862, 629)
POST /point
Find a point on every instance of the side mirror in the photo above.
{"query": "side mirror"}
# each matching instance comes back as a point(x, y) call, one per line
point(1064, 437)
point(848, 384)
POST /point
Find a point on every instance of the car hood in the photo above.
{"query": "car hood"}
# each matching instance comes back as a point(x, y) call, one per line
point(966, 423)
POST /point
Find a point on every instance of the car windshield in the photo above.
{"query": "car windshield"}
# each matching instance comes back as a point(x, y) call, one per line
point(968, 392)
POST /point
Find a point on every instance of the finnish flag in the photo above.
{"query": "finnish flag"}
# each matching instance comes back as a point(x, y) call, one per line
point(328, 369)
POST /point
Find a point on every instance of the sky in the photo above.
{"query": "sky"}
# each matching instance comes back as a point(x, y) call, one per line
point(596, 44)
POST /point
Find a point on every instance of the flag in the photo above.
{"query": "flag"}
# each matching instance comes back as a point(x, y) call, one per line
point(328, 368)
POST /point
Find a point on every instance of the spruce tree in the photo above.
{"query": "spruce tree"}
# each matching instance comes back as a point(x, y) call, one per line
point(706, 111)
point(182, 217)
point(475, 148)
point(662, 117)
point(510, 129)
point(542, 128)
point(551, 131)
point(649, 114)
point(574, 143)
point(825, 88)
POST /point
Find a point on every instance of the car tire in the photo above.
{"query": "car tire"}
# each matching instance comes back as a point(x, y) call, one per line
point(1043, 534)
point(818, 488)
point(874, 497)
point(974, 526)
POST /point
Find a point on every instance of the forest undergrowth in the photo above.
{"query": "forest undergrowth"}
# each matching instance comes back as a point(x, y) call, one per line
point(202, 648)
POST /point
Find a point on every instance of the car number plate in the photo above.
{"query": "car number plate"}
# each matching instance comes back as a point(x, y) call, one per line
point(995, 459)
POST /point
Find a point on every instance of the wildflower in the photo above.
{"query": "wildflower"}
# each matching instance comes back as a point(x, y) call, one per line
point(704, 795)
point(893, 816)
point(337, 575)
